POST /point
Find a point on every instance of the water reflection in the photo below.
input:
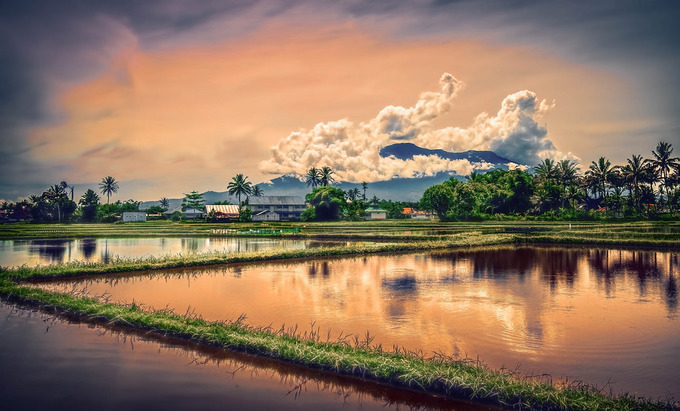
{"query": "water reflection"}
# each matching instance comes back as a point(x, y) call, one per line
point(33, 252)
point(590, 314)
point(70, 365)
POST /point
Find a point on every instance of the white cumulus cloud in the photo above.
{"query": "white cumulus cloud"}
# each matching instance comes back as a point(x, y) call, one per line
point(352, 150)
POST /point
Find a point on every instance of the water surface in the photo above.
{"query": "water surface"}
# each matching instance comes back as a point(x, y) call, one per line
point(596, 315)
point(50, 364)
point(53, 251)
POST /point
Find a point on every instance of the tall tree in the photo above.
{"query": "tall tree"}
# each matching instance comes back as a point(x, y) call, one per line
point(239, 185)
point(663, 163)
point(364, 186)
point(65, 185)
point(634, 173)
point(313, 177)
point(89, 202)
point(600, 173)
point(326, 176)
point(108, 186)
point(567, 175)
point(164, 203)
point(194, 200)
point(257, 191)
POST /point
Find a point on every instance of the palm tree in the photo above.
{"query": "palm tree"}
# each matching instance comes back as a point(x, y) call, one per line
point(326, 176)
point(634, 174)
point(600, 173)
point(165, 203)
point(546, 170)
point(663, 163)
point(239, 185)
point(257, 191)
point(353, 193)
point(108, 186)
point(364, 185)
point(567, 176)
point(65, 185)
point(313, 177)
point(53, 195)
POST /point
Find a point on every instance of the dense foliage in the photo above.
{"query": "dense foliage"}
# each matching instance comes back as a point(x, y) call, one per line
point(639, 189)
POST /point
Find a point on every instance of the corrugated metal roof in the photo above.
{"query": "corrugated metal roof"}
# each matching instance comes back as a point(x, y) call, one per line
point(276, 200)
point(223, 209)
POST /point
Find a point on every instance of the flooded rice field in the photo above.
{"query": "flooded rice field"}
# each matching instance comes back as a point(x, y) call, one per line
point(33, 252)
point(51, 364)
point(606, 317)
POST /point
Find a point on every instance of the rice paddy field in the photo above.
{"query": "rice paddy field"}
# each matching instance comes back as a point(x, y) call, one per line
point(440, 374)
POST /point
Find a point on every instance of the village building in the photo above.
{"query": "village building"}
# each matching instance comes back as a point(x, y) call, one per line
point(130, 216)
point(228, 211)
point(277, 208)
point(375, 214)
point(417, 214)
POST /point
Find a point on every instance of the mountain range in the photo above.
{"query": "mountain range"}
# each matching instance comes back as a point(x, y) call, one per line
point(397, 189)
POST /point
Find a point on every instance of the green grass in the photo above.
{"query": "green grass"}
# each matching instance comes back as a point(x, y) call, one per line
point(438, 374)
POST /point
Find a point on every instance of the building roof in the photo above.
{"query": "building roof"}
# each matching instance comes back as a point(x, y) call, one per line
point(276, 200)
point(222, 209)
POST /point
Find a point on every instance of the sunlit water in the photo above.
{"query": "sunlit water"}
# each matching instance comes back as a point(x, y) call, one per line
point(50, 364)
point(600, 316)
point(33, 252)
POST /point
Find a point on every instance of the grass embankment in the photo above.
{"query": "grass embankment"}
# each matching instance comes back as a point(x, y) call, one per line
point(440, 375)
point(77, 268)
point(616, 233)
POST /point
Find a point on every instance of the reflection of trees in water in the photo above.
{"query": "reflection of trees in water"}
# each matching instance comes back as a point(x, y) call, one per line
point(88, 246)
point(319, 267)
point(552, 264)
point(645, 267)
point(50, 250)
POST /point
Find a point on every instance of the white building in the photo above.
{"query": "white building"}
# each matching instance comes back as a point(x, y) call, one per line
point(286, 207)
point(129, 216)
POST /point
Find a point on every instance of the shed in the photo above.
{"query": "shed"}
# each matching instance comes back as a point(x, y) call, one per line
point(223, 211)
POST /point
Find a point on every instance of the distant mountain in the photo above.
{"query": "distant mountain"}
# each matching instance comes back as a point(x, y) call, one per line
point(406, 151)
point(397, 189)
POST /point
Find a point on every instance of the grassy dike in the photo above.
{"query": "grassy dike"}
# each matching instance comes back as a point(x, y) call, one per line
point(439, 375)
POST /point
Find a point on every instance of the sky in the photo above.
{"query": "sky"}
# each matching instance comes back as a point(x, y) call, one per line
point(173, 96)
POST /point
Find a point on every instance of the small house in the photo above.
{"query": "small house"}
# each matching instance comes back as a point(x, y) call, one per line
point(375, 214)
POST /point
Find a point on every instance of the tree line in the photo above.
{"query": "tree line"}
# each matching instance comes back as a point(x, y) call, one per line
point(641, 188)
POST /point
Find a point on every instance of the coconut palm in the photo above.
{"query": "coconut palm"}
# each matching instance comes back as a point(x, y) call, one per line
point(165, 203)
point(567, 175)
point(364, 186)
point(313, 177)
point(353, 194)
point(108, 186)
point(663, 163)
point(326, 176)
point(257, 191)
point(546, 170)
point(239, 185)
point(65, 185)
point(600, 173)
point(634, 173)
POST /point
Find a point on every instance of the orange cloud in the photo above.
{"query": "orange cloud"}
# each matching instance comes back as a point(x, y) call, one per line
point(192, 117)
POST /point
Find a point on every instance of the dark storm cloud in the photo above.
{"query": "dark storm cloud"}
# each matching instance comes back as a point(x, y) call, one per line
point(48, 45)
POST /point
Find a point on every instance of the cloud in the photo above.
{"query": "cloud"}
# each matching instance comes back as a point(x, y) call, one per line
point(352, 150)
